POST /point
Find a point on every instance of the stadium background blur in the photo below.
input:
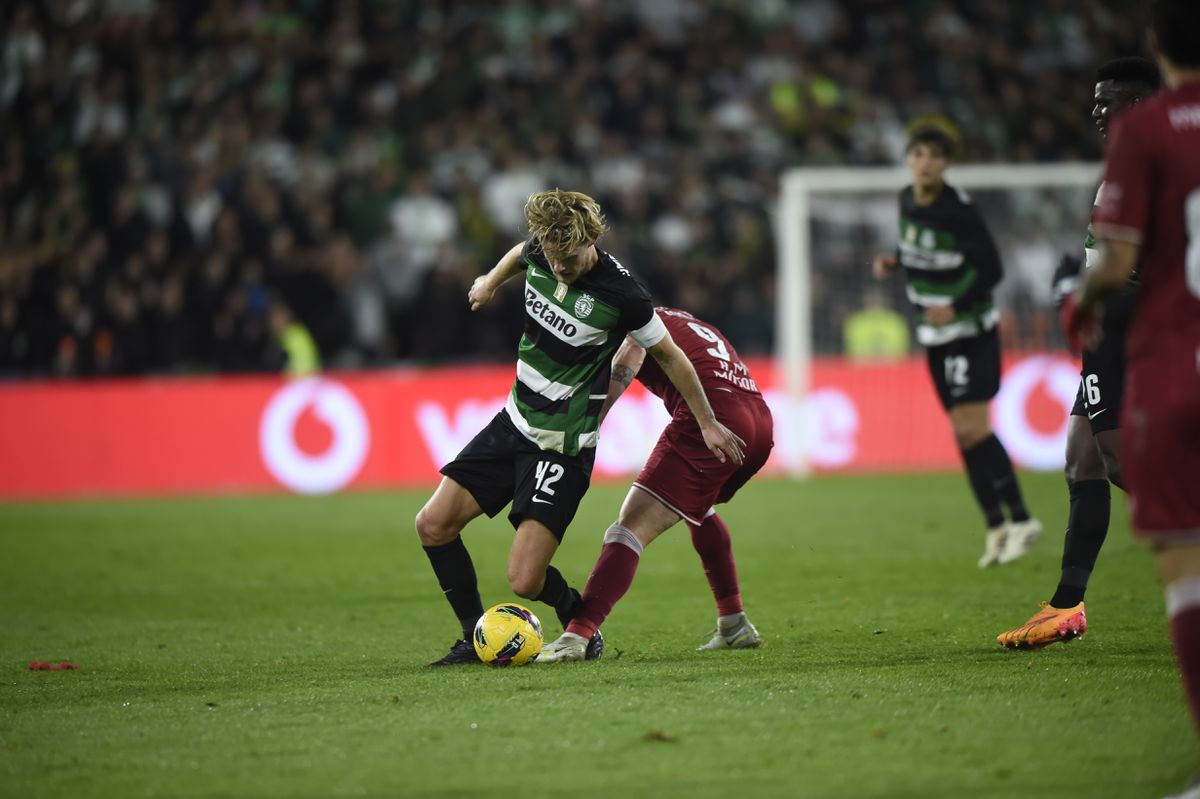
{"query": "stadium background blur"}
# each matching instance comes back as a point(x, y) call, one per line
point(181, 181)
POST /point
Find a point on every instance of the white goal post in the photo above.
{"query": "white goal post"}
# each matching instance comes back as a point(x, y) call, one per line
point(800, 188)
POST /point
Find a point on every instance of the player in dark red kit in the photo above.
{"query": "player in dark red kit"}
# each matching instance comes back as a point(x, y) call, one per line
point(1149, 216)
point(681, 480)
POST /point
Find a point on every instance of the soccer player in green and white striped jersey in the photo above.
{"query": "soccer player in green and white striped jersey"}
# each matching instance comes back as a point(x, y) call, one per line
point(951, 266)
point(537, 453)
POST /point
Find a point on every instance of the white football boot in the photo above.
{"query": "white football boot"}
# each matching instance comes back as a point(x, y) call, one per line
point(568, 647)
point(993, 545)
point(1020, 539)
point(738, 634)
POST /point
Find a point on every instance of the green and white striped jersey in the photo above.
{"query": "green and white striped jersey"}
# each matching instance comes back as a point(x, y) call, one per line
point(949, 258)
point(1091, 252)
point(564, 360)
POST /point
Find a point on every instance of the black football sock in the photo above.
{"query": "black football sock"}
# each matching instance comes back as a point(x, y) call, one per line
point(1004, 478)
point(1087, 527)
point(456, 575)
point(980, 477)
point(560, 596)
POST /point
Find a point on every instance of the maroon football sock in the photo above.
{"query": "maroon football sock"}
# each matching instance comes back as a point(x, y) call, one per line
point(1183, 606)
point(607, 584)
point(713, 544)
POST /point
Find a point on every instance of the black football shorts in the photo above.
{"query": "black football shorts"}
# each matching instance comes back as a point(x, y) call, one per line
point(967, 369)
point(500, 466)
point(1102, 378)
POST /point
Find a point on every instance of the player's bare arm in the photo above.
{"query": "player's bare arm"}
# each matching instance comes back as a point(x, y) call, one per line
point(485, 286)
point(1112, 270)
point(721, 441)
point(625, 365)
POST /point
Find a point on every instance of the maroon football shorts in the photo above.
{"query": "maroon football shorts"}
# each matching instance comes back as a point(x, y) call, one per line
point(1160, 455)
point(682, 473)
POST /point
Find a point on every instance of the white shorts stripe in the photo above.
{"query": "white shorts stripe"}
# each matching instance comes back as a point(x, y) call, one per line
point(682, 515)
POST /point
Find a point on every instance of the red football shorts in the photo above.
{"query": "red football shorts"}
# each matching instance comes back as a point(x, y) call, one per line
point(1160, 455)
point(681, 472)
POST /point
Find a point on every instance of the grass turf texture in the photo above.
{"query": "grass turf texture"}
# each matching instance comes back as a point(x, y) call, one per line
point(275, 647)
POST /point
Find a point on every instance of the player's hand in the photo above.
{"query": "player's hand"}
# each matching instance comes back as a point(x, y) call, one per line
point(883, 265)
point(481, 293)
point(723, 442)
point(1066, 279)
point(1080, 326)
point(940, 314)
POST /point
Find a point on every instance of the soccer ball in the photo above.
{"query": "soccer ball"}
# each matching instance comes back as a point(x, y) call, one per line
point(508, 635)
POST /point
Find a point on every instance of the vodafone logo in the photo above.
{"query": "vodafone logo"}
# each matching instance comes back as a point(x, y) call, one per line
point(857, 417)
point(447, 430)
point(1035, 436)
point(350, 436)
point(821, 431)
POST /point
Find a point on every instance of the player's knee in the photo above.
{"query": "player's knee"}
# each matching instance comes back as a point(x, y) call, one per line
point(433, 531)
point(969, 434)
point(1083, 457)
point(1079, 472)
point(1112, 465)
point(525, 583)
point(1080, 469)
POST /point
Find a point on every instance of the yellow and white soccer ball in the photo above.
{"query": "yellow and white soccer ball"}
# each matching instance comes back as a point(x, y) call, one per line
point(508, 635)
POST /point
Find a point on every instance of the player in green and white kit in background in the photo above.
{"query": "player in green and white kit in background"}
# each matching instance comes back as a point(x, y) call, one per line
point(537, 453)
point(951, 266)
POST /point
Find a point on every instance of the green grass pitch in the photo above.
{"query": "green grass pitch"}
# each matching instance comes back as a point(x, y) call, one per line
point(275, 647)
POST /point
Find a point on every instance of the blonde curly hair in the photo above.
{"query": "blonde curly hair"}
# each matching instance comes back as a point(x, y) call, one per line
point(562, 221)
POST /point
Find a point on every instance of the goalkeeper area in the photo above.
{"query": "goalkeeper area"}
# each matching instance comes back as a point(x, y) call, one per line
point(276, 647)
point(830, 223)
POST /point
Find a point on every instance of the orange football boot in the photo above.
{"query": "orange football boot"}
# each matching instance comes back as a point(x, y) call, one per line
point(1047, 626)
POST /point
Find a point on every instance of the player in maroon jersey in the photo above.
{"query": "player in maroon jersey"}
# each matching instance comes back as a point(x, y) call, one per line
point(681, 480)
point(1149, 214)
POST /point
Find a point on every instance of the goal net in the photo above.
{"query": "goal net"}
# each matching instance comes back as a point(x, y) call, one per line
point(839, 329)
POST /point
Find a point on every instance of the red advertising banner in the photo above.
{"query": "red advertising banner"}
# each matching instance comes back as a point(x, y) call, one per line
point(395, 428)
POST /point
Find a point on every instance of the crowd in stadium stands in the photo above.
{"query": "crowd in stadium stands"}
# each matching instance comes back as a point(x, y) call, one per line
point(201, 186)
